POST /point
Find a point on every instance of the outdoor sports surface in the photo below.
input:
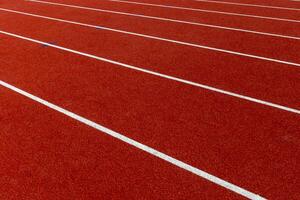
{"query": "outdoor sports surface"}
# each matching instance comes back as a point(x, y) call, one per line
point(149, 99)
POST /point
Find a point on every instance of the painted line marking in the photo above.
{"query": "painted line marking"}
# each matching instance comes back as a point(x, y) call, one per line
point(250, 5)
point(199, 85)
point(153, 152)
point(159, 38)
point(47, 44)
point(167, 19)
point(207, 11)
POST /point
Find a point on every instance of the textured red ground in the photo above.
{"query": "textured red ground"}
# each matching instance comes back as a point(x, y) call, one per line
point(45, 155)
point(269, 12)
point(232, 21)
point(279, 27)
point(207, 130)
point(279, 48)
point(264, 80)
point(253, 146)
point(206, 6)
point(270, 26)
point(224, 7)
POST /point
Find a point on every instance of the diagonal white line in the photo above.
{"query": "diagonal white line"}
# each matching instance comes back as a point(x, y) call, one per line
point(153, 152)
point(251, 99)
point(158, 38)
point(250, 5)
point(207, 11)
point(167, 19)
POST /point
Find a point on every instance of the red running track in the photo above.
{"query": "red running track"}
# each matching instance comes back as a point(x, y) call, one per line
point(190, 3)
point(251, 145)
point(242, 75)
point(45, 155)
point(281, 27)
point(86, 101)
point(254, 44)
point(267, 12)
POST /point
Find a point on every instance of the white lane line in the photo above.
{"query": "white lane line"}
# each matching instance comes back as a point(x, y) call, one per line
point(250, 5)
point(123, 138)
point(167, 19)
point(207, 11)
point(159, 38)
point(199, 85)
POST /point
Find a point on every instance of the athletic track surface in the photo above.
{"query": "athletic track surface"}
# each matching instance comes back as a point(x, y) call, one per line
point(149, 99)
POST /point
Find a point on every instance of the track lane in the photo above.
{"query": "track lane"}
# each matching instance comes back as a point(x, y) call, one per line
point(46, 155)
point(283, 28)
point(214, 10)
point(242, 43)
point(230, 8)
point(249, 79)
point(164, 19)
point(193, 123)
point(282, 3)
point(284, 8)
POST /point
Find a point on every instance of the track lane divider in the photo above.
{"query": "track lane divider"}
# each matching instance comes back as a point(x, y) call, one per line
point(207, 11)
point(191, 83)
point(138, 145)
point(250, 5)
point(157, 38)
point(166, 19)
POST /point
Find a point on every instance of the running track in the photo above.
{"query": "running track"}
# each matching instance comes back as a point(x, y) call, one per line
point(149, 99)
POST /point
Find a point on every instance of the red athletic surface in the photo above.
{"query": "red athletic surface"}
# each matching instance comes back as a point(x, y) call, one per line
point(270, 26)
point(192, 3)
point(279, 48)
point(251, 145)
point(238, 74)
point(45, 155)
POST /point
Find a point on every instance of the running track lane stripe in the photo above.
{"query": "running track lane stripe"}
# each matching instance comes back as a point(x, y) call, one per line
point(157, 38)
point(166, 19)
point(250, 5)
point(251, 99)
point(138, 145)
point(207, 11)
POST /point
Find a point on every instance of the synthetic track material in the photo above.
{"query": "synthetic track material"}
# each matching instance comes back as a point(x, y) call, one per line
point(156, 74)
point(173, 33)
point(208, 11)
point(55, 157)
point(250, 5)
point(166, 19)
point(283, 28)
point(138, 145)
point(182, 121)
point(163, 135)
point(225, 61)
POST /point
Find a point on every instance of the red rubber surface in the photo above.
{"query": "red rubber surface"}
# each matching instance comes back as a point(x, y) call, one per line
point(45, 155)
point(191, 3)
point(242, 75)
point(270, 26)
point(278, 48)
point(251, 145)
